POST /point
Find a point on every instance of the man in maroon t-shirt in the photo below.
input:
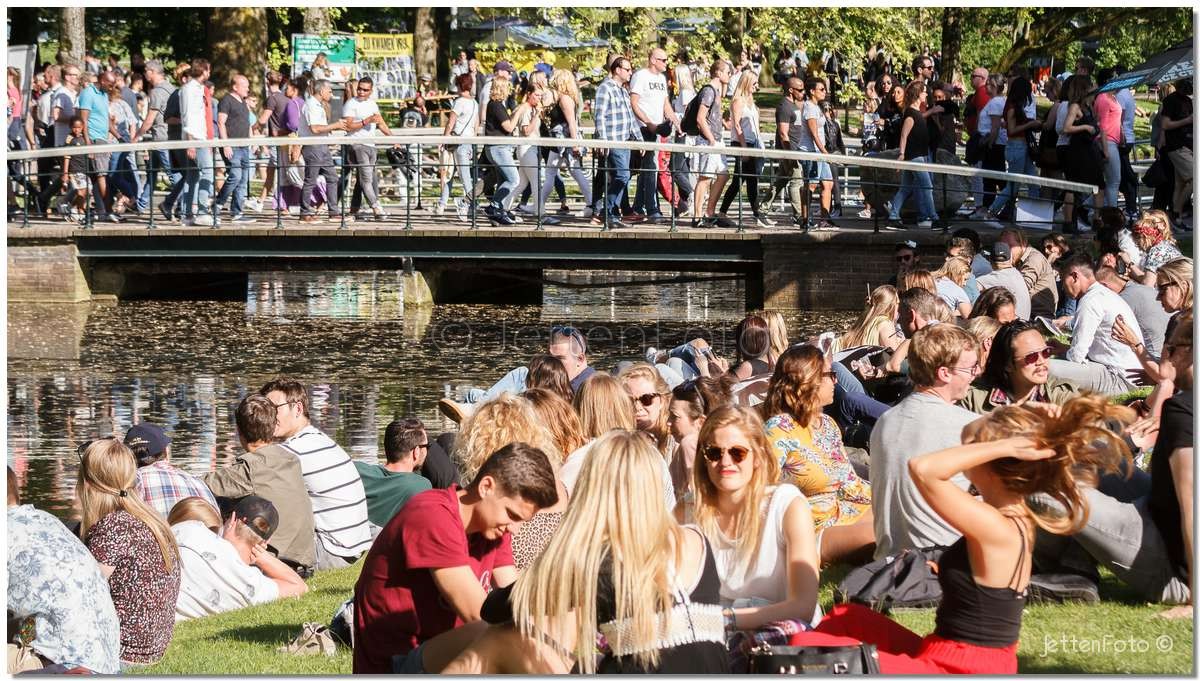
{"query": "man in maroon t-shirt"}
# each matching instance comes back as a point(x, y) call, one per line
point(431, 567)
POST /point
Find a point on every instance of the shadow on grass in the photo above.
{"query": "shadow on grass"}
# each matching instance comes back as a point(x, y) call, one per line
point(263, 633)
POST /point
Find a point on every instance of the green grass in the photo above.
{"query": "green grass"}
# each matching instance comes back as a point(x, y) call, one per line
point(1054, 638)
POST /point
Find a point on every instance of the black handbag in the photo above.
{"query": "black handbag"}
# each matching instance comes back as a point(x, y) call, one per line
point(824, 660)
point(1157, 174)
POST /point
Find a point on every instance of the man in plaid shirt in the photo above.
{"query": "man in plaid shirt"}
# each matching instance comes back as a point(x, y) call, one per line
point(614, 121)
point(161, 484)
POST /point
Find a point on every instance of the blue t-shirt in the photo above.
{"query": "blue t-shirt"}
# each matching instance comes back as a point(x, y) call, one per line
point(96, 102)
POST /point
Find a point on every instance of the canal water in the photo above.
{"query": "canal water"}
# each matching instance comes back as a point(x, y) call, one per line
point(80, 372)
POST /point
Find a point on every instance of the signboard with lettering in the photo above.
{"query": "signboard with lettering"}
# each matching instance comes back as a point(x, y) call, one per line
point(338, 49)
point(388, 59)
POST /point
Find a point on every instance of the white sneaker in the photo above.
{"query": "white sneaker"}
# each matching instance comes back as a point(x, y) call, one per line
point(439, 208)
point(652, 355)
point(925, 224)
point(203, 219)
point(865, 213)
point(763, 223)
point(253, 205)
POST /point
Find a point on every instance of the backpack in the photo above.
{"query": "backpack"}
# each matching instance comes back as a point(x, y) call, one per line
point(690, 123)
point(906, 580)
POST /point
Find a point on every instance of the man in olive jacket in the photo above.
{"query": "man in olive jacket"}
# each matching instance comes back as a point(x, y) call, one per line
point(272, 472)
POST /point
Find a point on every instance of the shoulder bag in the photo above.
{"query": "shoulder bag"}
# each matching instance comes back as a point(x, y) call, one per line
point(822, 660)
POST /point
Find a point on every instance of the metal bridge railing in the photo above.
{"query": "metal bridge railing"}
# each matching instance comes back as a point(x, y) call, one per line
point(420, 143)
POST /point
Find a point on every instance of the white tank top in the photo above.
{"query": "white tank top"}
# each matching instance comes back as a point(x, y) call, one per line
point(749, 123)
point(765, 576)
point(1060, 119)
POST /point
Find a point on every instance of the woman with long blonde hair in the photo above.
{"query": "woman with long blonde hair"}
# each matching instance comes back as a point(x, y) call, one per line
point(134, 547)
point(562, 118)
point(877, 324)
point(559, 418)
point(537, 94)
point(777, 328)
point(1012, 455)
point(650, 395)
point(744, 115)
point(604, 405)
point(948, 284)
point(1174, 283)
point(918, 279)
point(761, 532)
point(619, 566)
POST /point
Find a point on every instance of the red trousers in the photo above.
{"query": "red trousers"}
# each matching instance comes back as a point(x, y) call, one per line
point(903, 652)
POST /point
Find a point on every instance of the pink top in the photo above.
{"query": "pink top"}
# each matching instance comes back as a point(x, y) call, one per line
point(15, 101)
point(1108, 115)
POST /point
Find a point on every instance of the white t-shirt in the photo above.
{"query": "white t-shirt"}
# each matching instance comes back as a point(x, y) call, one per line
point(466, 112)
point(360, 111)
point(651, 89)
point(214, 579)
point(314, 114)
point(994, 107)
point(192, 111)
point(64, 99)
point(811, 111)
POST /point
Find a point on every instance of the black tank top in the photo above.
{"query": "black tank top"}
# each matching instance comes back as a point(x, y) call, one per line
point(979, 615)
point(556, 118)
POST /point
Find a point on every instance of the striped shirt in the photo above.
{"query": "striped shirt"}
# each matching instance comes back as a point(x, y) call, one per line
point(163, 485)
point(338, 500)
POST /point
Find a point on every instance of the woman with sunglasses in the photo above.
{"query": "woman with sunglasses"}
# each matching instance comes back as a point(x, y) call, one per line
point(1017, 370)
point(808, 445)
point(1174, 283)
point(649, 393)
point(744, 115)
point(135, 549)
point(691, 402)
point(761, 532)
point(1012, 454)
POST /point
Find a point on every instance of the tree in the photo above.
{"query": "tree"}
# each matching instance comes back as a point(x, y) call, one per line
point(25, 25)
point(1038, 31)
point(951, 43)
point(425, 43)
point(317, 20)
point(71, 39)
point(238, 42)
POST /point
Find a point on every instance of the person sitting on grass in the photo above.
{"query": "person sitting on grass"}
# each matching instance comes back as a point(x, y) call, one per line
point(268, 470)
point(390, 486)
point(434, 562)
point(760, 531)
point(161, 484)
point(1008, 455)
point(1017, 370)
point(55, 581)
point(808, 445)
point(230, 569)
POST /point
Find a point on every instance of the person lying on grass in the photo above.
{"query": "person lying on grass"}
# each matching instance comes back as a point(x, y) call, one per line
point(226, 565)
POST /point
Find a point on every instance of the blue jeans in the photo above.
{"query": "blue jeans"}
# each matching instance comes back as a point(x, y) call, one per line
point(157, 161)
point(122, 174)
point(1016, 155)
point(646, 202)
point(512, 382)
point(198, 183)
point(616, 165)
point(503, 157)
point(1112, 172)
point(915, 182)
point(237, 179)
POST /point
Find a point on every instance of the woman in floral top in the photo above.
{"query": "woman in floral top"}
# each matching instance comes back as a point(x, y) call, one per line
point(135, 549)
point(808, 445)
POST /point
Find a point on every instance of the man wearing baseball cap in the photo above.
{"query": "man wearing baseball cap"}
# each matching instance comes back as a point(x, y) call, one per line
point(1005, 275)
point(233, 569)
point(161, 484)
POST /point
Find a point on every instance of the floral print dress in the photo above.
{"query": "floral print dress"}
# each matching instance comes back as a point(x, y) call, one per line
point(813, 460)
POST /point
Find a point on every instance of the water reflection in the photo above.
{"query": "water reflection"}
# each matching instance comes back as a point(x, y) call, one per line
point(367, 358)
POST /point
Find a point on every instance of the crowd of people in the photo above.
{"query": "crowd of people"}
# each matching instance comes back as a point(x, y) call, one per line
point(1085, 136)
point(677, 510)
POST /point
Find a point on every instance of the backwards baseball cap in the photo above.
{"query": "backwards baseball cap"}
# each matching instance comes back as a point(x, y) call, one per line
point(149, 436)
point(259, 514)
point(1001, 252)
point(544, 68)
point(503, 65)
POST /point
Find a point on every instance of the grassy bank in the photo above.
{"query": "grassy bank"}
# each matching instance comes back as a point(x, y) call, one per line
point(1121, 635)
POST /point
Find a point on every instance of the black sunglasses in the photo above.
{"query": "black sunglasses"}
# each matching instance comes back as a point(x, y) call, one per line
point(646, 400)
point(83, 447)
point(714, 453)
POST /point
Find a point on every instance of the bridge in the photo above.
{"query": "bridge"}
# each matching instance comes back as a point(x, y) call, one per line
point(784, 268)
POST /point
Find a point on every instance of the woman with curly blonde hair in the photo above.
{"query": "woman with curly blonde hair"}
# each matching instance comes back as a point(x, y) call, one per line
point(494, 425)
point(134, 547)
point(1152, 234)
point(562, 118)
point(651, 399)
point(949, 282)
point(808, 446)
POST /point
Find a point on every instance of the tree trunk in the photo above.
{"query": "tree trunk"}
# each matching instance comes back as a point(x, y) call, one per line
point(731, 20)
point(316, 20)
point(425, 44)
point(952, 21)
point(445, 51)
point(238, 44)
point(72, 40)
point(25, 26)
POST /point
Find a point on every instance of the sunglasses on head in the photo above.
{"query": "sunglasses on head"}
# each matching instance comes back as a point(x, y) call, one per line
point(646, 400)
point(1031, 358)
point(714, 453)
point(83, 447)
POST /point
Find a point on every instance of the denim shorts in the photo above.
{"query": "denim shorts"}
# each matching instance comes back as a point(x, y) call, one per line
point(817, 170)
